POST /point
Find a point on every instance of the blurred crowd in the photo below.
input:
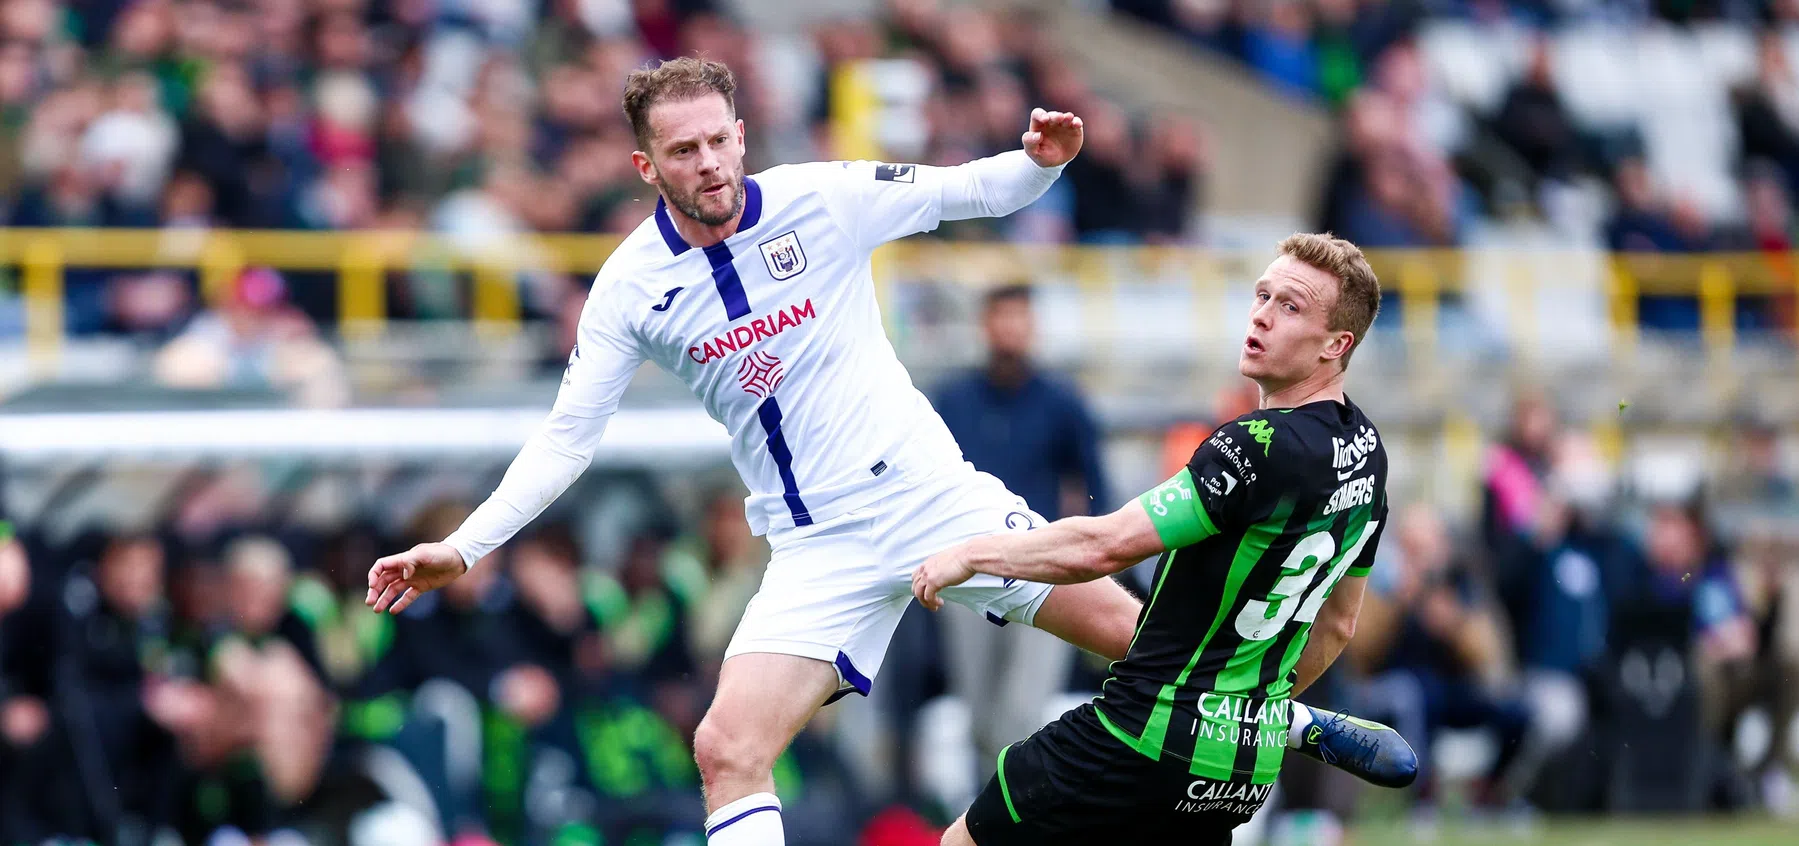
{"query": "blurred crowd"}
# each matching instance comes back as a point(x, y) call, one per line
point(1594, 641)
point(1420, 166)
point(232, 684)
point(476, 120)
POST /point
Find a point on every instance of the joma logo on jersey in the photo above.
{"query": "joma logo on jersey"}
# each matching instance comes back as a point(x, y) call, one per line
point(1358, 492)
point(783, 256)
point(1353, 454)
point(747, 335)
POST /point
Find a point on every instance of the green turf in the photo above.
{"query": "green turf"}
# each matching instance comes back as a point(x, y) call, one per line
point(1685, 831)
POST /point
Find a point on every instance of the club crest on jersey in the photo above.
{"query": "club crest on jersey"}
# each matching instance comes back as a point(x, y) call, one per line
point(783, 256)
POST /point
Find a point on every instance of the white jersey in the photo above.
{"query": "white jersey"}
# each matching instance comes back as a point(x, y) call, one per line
point(777, 331)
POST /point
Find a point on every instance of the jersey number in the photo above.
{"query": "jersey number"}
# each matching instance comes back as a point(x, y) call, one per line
point(1263, 619)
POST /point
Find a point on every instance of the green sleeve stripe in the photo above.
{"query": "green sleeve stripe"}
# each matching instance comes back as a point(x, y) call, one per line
point(1359, 572)
point(1004, 791)
point(1174, 508)
point(1204, 518)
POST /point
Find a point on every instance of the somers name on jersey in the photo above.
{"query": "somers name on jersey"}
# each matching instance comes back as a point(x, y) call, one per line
point(1354, 456)
point(1358, 492)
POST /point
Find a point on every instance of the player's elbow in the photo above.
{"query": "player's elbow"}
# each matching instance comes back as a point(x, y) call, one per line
point(1340, 626)
point(1091, 568)
point(1083, 557)
point(1122, 540)
point(1113, 554)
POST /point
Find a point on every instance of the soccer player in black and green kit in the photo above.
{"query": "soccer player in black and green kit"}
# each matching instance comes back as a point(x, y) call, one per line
point(1265, 539)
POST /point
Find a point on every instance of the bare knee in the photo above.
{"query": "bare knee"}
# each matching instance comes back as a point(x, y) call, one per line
point(1120, 620)
point(763, 700)
point(1099, 616)
point(957, 835)
point(724, 755)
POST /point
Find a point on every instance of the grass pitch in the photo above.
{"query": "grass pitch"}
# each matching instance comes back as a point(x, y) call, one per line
point(1681, 831)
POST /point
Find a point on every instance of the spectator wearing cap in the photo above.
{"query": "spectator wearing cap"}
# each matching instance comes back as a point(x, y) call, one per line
point(254, 339)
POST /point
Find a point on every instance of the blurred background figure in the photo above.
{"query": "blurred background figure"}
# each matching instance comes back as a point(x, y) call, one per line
point(1432, 645)
point(257, 339)
point(1035, 433)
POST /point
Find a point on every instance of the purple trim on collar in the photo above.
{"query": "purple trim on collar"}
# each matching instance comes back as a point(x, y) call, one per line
point(752, 215)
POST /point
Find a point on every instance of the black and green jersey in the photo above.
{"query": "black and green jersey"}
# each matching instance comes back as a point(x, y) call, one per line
point(1271, 512)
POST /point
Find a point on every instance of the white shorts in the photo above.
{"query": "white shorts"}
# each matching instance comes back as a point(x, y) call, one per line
point(836, 590)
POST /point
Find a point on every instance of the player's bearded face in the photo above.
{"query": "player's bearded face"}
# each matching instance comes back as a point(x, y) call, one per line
point(712, 199)
point(1289, 324)
point(699, 159)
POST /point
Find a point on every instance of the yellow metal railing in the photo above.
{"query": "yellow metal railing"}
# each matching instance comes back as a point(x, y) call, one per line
point(1419, 280)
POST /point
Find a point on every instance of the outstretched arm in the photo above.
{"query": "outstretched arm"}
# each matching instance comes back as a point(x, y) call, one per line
point(554, 457)
point(1076, 549)
point(551, 460)
point(877, 202)
point(997, 186)
point(1068, 551)
point(599, 368)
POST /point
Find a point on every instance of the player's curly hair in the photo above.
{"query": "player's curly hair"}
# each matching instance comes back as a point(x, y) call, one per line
point(676, 79)
point(1358, 292)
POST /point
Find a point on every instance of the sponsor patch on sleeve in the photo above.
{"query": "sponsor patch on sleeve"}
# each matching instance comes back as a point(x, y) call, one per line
point(895, 172)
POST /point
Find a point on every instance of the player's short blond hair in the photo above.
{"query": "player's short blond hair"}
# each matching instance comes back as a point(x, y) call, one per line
point(1358, 290)
point(685, 78)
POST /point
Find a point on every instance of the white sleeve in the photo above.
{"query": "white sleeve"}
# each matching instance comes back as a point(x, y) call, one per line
point(995, 186)
point(602, 364)
point(880, 202)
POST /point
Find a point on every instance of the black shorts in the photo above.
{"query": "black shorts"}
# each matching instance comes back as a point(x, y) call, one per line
point(1074, 783)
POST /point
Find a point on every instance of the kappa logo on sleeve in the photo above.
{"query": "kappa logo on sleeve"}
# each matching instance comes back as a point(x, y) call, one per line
point(896, 172)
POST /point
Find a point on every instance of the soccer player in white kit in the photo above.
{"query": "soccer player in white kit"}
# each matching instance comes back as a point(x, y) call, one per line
point(756, 292)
